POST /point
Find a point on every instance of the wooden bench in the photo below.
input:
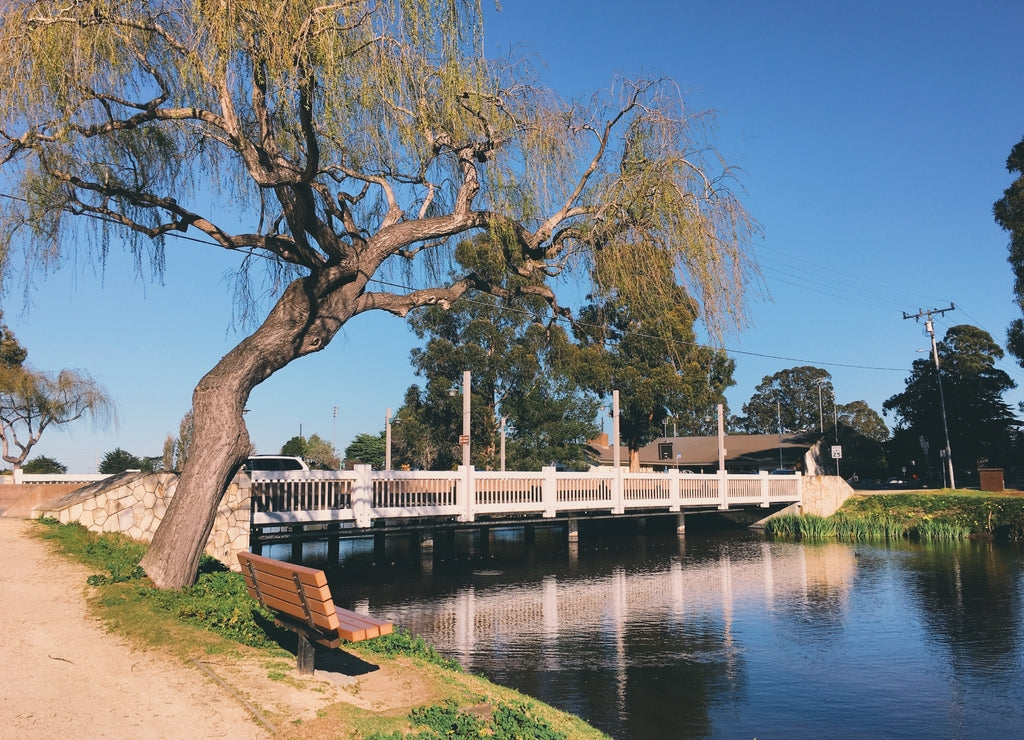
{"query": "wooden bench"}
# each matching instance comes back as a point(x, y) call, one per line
point(301, 601)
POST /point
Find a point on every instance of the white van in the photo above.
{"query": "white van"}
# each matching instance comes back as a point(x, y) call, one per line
point(274, 462)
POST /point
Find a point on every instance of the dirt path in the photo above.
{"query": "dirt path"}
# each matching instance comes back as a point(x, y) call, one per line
point(62, 675)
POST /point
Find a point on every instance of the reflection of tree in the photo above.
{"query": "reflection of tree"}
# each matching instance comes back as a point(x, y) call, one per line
point(968, 598)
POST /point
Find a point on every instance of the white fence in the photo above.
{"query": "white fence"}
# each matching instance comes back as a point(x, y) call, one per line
point(362, 495)
point(38, 478)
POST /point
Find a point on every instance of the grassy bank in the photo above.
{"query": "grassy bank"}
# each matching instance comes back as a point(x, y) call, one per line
point(402, 687)
point(940, 515)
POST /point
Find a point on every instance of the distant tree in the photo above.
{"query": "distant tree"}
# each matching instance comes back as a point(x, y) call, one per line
point(118, 461)
point(367, 449)
point(861, 418)
point(320, 454)
point(1009, 213)
point(167, 458)
point(862, 434)
point(12, 354)
point(790, 399)
point(32, 401)
point(295, 446)
point(43, 465)
point(315, 451)
point(414, 439)
point(509, 348)
point(183, 445)
point(647, 350)
point(979, 421)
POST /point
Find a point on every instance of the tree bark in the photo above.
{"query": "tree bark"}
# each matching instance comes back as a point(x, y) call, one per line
point(303, 321)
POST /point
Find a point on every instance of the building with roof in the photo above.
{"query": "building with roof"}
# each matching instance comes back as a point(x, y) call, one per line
point(743, 453)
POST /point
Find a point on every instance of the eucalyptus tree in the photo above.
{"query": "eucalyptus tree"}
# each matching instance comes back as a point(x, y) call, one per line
point(645, 347)
point(980, 423)
point(517, 387)
point(791, 400)
point(1009, 213)
point(333, 147)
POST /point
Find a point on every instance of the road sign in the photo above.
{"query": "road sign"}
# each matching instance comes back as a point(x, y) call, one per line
point(837, 452)
point(463, 439)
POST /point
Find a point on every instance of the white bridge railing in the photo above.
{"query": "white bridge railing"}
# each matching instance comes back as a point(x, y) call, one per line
point(362, 495)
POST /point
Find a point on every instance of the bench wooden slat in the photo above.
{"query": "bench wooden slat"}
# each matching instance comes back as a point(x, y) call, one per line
point(285, 599)
point(355, 627)
point(303, 603)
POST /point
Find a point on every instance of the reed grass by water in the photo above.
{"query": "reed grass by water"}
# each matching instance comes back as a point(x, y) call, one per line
point(938, 516)
point(837, 527)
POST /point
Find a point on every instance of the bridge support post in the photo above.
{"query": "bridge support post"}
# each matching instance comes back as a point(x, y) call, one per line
point(296, 550)
point(573, 529)
point(529, 534)
point(379, 546)
point(680, 523)
point(333, 544)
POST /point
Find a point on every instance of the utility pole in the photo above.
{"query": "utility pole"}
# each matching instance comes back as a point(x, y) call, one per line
point(929, 327)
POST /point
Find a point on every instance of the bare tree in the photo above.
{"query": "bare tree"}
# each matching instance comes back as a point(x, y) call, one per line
point(353, 141)
point(31, 402)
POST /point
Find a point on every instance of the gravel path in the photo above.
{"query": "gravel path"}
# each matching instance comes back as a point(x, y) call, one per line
point(63, 675)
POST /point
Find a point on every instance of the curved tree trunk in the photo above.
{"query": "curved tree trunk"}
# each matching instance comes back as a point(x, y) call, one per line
point(300, 323)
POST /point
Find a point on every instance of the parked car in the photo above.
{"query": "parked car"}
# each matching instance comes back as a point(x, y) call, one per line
point(274, 462)
point(782, 471)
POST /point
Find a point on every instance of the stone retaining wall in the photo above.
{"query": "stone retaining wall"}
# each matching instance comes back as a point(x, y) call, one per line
point(134, 504)
point(18, 499)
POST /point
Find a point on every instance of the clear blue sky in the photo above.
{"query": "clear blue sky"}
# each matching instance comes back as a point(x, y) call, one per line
point(872, 138)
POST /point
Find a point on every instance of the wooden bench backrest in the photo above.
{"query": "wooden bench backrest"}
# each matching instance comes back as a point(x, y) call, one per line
point(296, 590)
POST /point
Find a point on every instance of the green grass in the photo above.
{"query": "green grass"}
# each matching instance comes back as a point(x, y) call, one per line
point(217, 613)
point(508, 722)
point(943, 515)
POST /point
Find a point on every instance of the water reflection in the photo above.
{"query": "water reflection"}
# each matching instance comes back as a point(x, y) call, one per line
point(724, 636)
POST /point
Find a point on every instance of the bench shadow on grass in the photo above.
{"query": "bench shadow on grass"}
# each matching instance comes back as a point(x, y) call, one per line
point(328, 660)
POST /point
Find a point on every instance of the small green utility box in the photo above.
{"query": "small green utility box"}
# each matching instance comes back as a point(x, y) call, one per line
point(991, 479)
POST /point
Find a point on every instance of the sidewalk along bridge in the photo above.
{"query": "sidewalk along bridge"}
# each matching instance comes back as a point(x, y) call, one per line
point(296, 505)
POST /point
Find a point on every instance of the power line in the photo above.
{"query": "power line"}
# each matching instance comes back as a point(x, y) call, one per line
point(728, 350)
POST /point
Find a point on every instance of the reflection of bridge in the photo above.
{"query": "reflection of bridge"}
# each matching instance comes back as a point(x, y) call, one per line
point(362, 501)
point(603, 608)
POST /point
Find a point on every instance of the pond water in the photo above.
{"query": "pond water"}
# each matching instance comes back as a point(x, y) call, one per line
point(722, 635)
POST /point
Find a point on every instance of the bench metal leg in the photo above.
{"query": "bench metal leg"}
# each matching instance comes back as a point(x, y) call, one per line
point(305, 655)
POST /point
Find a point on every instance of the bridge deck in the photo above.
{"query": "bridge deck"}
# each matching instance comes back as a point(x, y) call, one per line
point(363, 498)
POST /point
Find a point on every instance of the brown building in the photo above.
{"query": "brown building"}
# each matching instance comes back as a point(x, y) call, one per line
point(744, 453)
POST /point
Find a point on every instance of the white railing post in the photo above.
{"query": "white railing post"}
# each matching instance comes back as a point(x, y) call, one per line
point(723, 490)
point(619, 502)
point(549, 493)
point(467, 493)
point(362, 495)
point(17, 476)
point(765, 485)
point(674, 500)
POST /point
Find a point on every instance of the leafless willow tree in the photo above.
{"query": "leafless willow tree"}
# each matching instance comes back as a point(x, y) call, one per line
point(32, 401)
point(352, 140)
